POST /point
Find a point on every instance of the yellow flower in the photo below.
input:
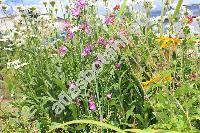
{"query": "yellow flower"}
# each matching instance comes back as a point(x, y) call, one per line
point(151, 81)
point(166, 42)
point(156, 79)
point(167, 78)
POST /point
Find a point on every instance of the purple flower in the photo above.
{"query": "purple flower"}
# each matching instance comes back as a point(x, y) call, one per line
point(87, 50)
point(72, 85)
point(62, 50)
point(117, 66)
point(101, 40)
point(92, 105)
point(109, 95)
point(81, 4)
point(75, 12)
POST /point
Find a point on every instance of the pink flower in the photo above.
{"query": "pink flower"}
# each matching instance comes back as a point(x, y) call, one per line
point(122, 33)
point(109, 95)
point(62, 50)
point(85, 27)
point(110, 42)
point(101, 40)
point(75, 12)
point(87, 50)
point(81, 4)
point(92, 105)
point(67, 25)
point(70, 34)
point(109, 19)
point(72, 85)
point(118, 66)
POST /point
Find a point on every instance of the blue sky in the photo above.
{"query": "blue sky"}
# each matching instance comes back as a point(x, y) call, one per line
point(38, 2)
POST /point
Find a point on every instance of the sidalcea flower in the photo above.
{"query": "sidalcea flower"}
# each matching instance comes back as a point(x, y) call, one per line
point(76, 12)
point(123, 33)
point(92, 105)
point(62, 50)
point(67, 25)
point(117, 66)
point(70, 34)
point(109, 19)
point(110, 42)
point(109, 95)
point(101, 40)
point(85, 27)
point(87, 50)
point(81, 4)
point(72, 85)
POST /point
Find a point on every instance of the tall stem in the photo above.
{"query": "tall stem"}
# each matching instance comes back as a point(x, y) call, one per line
point(177, 9)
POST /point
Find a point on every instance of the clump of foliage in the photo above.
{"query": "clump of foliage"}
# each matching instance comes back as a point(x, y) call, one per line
point(153, 82)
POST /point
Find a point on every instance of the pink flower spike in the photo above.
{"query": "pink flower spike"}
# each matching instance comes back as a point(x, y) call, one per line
point(70, 34)
point(109, 19)
point(81, 4)
point(85, 27)
point(110, 42)
point(75, 12)
point(101, 40)
point(87, 50)
point(92, 105)
point(62, 50)
point(109, 95)
point(67, 25)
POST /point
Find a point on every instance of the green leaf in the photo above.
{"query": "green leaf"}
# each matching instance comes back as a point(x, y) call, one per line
point(59, 84)
point(123, 7)
point(130, 112)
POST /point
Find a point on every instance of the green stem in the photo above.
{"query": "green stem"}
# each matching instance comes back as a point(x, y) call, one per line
point(177, 9)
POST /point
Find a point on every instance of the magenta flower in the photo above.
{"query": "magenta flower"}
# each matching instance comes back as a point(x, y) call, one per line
point(87, 50)
point(81, 4)
point(72, 85)
point(92, 105)
point(109, 19)
point(75, 12)
point(62, 50)
point(110, 42)
point(67, 25)
point(122, 33)
point(85, 27)
point(70, 34)
point(109, 95)
point(117, 66)
point(101, 40)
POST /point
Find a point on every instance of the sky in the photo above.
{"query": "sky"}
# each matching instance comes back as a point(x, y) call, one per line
point(13, 3)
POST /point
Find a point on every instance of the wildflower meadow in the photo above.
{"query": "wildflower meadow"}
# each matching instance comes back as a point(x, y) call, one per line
point(73, 68)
